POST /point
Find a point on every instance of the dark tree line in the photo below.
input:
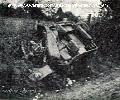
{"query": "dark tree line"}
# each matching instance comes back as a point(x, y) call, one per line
point(5, 10)
point(20, 12)
point(110, 8)
point(28, 11)
point(106, 30)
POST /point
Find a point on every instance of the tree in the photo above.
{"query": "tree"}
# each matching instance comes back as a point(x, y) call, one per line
point(33, 12)
point(5, 10)
point(69, 15)
point(19, 12)
point(112, 8)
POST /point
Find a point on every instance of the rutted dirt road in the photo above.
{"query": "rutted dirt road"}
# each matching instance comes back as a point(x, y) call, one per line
point(105, 87)
point(96, 90)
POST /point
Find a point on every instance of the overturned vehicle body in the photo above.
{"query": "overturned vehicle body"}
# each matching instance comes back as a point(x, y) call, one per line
point(57, 49)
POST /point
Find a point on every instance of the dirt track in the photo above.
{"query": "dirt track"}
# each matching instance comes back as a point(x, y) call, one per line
point(105, 87)
point(100, 89)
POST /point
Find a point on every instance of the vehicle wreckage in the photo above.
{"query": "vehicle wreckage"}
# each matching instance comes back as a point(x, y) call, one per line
point(57, 48)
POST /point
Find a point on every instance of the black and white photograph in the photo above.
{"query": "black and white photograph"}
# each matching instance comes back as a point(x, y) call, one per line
point(59, 49)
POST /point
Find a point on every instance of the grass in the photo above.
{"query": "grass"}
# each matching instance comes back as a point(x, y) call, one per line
point(12, 32)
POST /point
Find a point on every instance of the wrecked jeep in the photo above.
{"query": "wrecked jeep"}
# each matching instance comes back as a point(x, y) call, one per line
point(56, 50)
